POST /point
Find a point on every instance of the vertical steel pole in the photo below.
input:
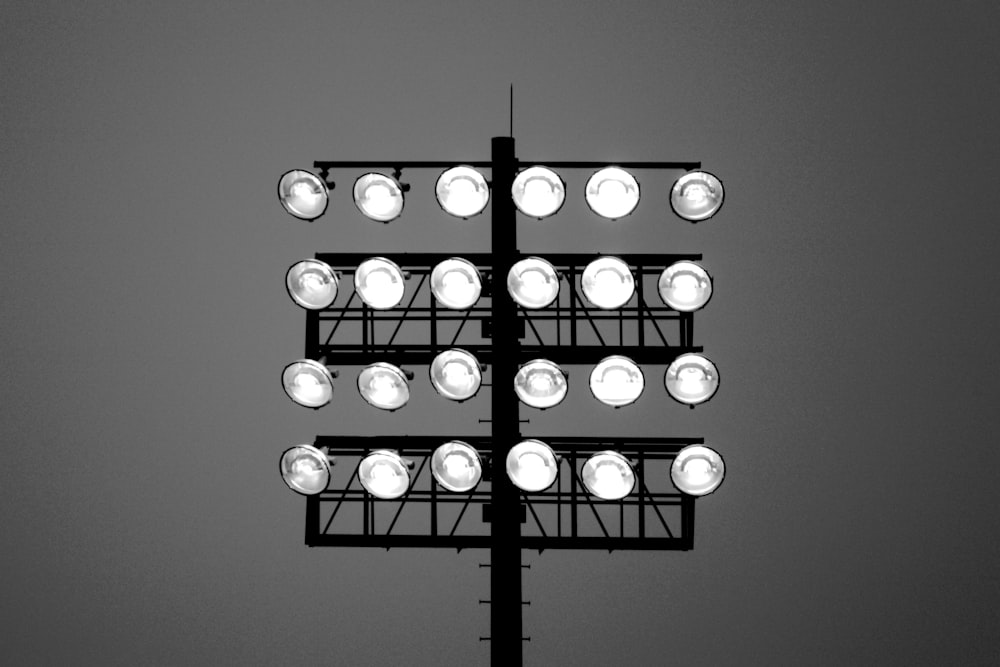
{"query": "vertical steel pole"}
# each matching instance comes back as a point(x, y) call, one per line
point(505, 552)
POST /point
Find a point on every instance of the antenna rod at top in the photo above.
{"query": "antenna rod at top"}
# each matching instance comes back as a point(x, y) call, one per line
point(512, 109)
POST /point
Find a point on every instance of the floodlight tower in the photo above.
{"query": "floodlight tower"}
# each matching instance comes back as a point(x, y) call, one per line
point(549, 478)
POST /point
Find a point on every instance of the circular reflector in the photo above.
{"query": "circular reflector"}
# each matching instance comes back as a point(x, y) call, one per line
point(305, 469)
point(302, 194)
point(456, 283)
point(308, 383)
point(612, 193)
point(379, 283)
point(384, 386)
point(608, 283)
point(533, 282)
point(685, 286)
point(462, 191)
point(616, 381)
point(697, 470)
point(384, 474)
point(538, 192)
point(312, 284)
point(691, 379)
point(378, 196)
point(456, 466)
point(608, 475)
point(696, 195)
point(532, 466)
point(540, 384)
point(455, 374)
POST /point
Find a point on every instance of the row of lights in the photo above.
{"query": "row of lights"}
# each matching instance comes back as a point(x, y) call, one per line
point(537, 191)
point(456, 375)
point(531, 465)
point(532, 282)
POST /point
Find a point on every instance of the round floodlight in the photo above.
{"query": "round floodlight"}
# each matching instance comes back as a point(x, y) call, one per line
point(532, 465)
point(384, 474)
point(305, 469)
point(533, 282)
point(384, 386)
point(608, 475)
point(685, 286)
point(378, 196)
point(379, 283)
point(696, 195)
point(456, 466)
point(455, 374)
point(697, 470)
point(303, 194)
point(456, 283)
point(616, 381)
point(540, 384)
point(538, 192)
point(312, 284)
point(691, 379)
point(462, 192)
point(612, 193)
point(308, 383)
point(608, 283)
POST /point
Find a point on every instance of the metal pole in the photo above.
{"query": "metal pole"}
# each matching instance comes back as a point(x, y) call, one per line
point(505, 552)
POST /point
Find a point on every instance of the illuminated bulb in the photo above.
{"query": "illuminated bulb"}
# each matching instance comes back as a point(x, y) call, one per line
point(456, 466)
point(538, 192)
point(616, 381)
point(540, 384)
point(692, 379)
point(608, 283)
point(612, 193)
point(462, 191)
point(696, 196)
point(608, 475)
point(384, 474)
point(384, 386)
point(456, 283)
point(697, 470)
point(308, 383)
point(378, 196)
point(305, 469)
point(311, 284)
point(455, 374)
point(302, 194)
point(532, 466)
point(379, 283)
point(685, 286)
point(533, 283)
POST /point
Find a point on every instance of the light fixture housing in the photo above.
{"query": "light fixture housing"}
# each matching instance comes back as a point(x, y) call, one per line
point(455, 374)
point(384, 474)
point(384, 386)
point(533, 283)
point(608, 475)
point(697, 470)
point(303, 194)
point(685, 286)
point(691, 379)
point(696, 196)
point(540, 384)
point(538, 192)
point(456, 466)
point(462, 191)
point(617, 381)
point(308, 383)
point(312, 284)
point(532, 465)
point(378, 197)
point(608, 283)
point(612, 193)
point(380, 283)
point(305, 469)
point(456, 283)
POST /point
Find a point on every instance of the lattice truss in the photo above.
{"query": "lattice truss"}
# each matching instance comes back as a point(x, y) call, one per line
point(565, 516)
point(569, 331)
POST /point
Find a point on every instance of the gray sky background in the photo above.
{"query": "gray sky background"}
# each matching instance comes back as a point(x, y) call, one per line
point(145, 323)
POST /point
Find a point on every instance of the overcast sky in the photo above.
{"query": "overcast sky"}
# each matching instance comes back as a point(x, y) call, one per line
point(145, 324)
